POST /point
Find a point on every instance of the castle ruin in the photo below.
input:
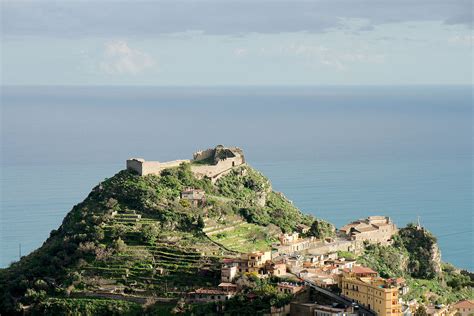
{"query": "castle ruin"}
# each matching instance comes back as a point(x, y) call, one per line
point(375, 229)
point(211, 163)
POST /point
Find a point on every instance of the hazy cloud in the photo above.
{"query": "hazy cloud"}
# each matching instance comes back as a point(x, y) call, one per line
point(119, 58)
point(145, 19)
point(462, 39)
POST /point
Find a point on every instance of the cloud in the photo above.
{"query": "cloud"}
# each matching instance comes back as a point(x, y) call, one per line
point(317, 54)
point(119, 58)
point(462, 39)
point(239, 52)
point(147, 19)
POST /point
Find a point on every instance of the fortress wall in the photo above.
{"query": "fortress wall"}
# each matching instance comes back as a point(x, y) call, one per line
point(346, 245)
point(204, 154)
point(144, 168)
point(382, 235)
point(135, 165)
point(155, 167)
point(214, 170)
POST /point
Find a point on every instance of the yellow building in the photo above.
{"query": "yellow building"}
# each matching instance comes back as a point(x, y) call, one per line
point(371, 291)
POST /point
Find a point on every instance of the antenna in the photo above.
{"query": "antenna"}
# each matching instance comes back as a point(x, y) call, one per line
point(419, 224)
point(19, 251)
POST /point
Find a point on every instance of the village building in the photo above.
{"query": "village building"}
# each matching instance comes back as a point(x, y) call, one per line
point(291, 243)
point(254, 262)
point(341, 263)
point(319, 260)
point(203, 295)
point(374, 229)
point(196, 197)
point(302, 228)
point(325, 310)
point(275, 269)
point(289, 288)
point(228, 273)
point(364, 286)
point(314, 309)
point(227, 287)
point(440, 310)
point(320, 277)
point(464, 308)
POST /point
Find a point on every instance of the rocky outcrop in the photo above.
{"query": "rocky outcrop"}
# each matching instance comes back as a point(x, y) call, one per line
point(424, 253)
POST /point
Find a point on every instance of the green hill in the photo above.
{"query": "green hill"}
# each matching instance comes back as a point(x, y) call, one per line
point(134, 247)
point(133, 235)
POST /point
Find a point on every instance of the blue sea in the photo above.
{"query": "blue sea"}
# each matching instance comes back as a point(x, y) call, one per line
point(338, 152)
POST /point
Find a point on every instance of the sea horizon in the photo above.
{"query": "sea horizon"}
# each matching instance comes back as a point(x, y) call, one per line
point(338, 153)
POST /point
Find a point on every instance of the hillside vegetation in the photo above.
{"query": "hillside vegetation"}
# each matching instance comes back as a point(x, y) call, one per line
point(415, 256)
point(132, 235)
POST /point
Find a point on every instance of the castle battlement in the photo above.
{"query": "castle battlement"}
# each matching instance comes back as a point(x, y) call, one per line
point(211, 163)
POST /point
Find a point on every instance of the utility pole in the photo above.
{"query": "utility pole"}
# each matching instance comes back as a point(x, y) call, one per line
point(19, 251)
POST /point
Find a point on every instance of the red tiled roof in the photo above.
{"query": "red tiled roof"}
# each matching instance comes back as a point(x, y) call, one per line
point(226, 284)
point(360, 270)
point(464, 304)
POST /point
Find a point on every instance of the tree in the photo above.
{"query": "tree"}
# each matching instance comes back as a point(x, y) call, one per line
point(421, 311)
point(149, 233)
point(200, 223)
point(321, 229)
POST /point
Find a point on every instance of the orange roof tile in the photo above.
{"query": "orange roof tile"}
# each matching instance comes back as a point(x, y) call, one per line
point(464, 304)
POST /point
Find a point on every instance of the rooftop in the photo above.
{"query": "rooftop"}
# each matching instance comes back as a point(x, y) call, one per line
point(464, 304)
point(359, 270)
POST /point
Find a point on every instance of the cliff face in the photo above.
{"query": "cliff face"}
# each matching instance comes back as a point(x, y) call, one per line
point(423, 250)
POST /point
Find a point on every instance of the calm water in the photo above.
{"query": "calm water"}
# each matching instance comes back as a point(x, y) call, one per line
point(339, 153)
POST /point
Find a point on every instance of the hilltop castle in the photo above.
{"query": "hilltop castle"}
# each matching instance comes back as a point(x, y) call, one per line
point(212, 163)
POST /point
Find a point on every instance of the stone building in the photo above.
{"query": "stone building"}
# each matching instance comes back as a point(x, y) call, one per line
point(253, 262)
point(228, 273)
point(196, 197)
point(364, 286)
point(374, 229)
point(440, 310)
point(203, 295)
point(464, 308)
point(313, 309)
point(291, 243)
point(275, 269)
point(289, 288)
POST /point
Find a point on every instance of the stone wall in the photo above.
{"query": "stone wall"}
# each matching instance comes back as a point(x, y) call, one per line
point(203, 154)
point(135, 164)
point(144, 168)
point(212, 171)
point(223, 160)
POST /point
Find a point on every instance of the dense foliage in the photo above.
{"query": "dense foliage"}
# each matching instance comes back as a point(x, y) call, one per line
point(89, 307)
point(414, 247)
point(422, 250)
point(257, 297)
point(247, 187)
point(322, 229)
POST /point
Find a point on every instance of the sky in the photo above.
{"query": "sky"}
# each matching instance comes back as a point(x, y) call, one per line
point(255, 42)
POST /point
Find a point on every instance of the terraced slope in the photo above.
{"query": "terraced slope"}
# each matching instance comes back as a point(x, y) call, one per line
point(133, 238)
